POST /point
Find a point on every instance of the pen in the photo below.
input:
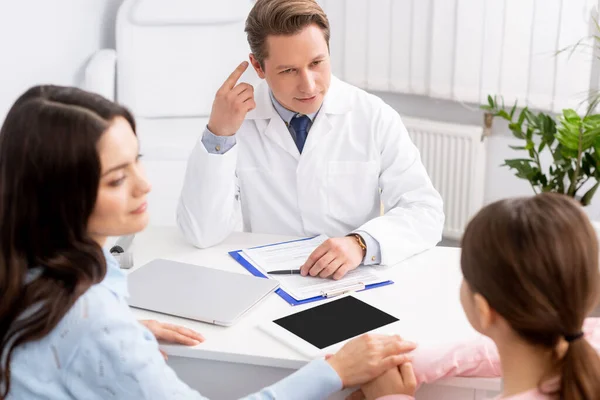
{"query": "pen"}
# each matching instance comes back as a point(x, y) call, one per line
point(284, 272)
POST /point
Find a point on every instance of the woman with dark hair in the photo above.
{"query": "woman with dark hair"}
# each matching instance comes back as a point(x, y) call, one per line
point(531, 276)
point(70, 177)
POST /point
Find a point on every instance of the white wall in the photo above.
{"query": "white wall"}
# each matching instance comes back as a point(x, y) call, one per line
point(49, 41)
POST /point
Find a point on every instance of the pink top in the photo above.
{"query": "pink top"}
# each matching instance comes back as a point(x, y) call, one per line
point(478, 358)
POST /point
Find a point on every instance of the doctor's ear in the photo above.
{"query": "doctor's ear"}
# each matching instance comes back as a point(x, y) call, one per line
point(257, 66)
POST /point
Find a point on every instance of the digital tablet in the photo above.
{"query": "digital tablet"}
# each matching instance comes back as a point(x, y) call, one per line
point(327, 327)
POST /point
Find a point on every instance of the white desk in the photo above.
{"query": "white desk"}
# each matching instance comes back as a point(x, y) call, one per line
point(238, 360)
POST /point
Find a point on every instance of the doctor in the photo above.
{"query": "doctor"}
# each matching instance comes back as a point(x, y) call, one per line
point(305, 154)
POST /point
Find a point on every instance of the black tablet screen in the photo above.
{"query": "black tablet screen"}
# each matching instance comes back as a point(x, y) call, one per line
point(335, 321)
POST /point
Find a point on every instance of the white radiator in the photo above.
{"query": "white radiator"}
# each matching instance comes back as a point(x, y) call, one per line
point(454, 156)
point(466, 49)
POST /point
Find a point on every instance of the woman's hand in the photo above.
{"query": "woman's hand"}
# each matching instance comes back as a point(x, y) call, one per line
point(400, 380)
point(172, 333)
point(369, 356)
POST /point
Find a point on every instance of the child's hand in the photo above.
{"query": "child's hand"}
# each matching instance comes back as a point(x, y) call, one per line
point(399, 380)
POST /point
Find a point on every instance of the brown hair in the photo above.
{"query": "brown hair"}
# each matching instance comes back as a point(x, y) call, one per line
point(535, 260)
point(49, 177)
point(281, 17)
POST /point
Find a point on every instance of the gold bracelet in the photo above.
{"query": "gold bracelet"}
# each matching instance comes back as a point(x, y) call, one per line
point(361, 242)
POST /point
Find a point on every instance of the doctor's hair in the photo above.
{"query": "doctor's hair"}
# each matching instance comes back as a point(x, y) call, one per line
point(281, 17)
point(535, 261)
point(49, 177)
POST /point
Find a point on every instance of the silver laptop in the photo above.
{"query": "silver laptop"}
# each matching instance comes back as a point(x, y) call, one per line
point(195, 292)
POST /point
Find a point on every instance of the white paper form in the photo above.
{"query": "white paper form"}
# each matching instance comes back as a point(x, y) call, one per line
point(291, 256)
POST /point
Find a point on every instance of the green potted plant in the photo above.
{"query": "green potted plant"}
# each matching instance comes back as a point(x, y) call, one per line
point(572, 140)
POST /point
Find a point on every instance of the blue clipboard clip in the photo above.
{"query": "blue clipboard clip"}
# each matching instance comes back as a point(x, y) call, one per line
point(237, 256)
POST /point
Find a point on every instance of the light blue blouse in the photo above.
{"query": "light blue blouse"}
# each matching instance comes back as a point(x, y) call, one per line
point(100, 351)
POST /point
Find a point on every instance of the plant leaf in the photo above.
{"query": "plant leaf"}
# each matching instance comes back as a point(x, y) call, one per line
point(541, 146)
point(516, 131)
point(568, 135)
point(522, 116)
point(524, 168)
point(531, 118)
point(513, 109)
point(504, 115)
point(587, 197)
point(586, 166)
point(571, 116)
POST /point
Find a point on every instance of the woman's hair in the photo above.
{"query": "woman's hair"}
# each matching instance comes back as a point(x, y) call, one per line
point(535, 260)
point(49, 176)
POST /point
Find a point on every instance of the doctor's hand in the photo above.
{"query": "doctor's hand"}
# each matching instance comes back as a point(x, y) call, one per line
point(369, 356)
point(232, 103)
point(335, 257)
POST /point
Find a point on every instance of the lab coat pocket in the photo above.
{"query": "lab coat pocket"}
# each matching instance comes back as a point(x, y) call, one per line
point(353, 191)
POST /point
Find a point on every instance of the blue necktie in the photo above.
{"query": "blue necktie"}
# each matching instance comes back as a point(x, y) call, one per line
point(300, 125)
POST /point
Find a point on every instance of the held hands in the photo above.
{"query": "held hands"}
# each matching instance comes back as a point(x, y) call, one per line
point(369, 356)
point(335, 257)
point(172, 333)
point(398, 380)
point(232, 103)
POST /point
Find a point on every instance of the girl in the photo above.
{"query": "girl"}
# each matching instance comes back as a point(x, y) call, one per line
point(70, 177)
point(531, 276)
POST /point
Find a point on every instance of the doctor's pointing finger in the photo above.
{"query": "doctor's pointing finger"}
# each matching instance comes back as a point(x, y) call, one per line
point(232, 103)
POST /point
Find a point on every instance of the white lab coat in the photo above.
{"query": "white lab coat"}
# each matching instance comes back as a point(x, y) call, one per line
point(357, 154)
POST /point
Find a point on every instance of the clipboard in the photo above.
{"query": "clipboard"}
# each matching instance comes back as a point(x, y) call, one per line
point(237, 256)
